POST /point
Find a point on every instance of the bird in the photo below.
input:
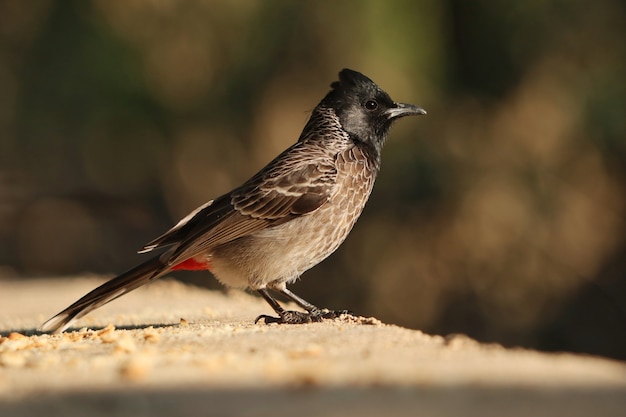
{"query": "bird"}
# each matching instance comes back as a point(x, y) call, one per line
point(285, 219)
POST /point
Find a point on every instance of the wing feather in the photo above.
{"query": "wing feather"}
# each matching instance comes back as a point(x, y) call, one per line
point(299, 181)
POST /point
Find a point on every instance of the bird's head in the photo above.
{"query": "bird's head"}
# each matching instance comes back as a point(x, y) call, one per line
point(364, 110)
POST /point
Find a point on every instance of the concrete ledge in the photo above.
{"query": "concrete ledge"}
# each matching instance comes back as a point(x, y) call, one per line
point(172, 349)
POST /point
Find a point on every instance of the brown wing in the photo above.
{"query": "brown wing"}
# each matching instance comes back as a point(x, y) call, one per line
point(297, 182)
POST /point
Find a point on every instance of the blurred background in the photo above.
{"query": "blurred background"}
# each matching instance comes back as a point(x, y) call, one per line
point(500, 214)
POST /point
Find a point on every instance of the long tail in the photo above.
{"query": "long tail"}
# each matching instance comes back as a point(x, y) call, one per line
point(109, 291)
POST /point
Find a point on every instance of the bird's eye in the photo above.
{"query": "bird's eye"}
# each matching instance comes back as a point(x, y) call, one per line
point(371, 105)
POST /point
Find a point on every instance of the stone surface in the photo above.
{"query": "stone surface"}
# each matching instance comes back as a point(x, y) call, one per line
point(171, 349)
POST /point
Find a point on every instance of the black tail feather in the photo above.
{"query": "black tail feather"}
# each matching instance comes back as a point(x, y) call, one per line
point(109, 291)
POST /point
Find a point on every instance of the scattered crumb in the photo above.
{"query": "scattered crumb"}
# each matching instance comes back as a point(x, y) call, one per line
point(349, 318)
point(107, 335)
point(108, 329)
point(151, 335)
point(16, 336)
point(74, 336)
point(16, 343)
point(183, 323)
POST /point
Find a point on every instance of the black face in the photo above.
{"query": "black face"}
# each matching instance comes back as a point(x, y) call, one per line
point(364, 110)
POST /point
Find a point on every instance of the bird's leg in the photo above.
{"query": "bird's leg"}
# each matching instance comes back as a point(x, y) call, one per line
point(295, 317)
point(317, 314)
point(284, 316)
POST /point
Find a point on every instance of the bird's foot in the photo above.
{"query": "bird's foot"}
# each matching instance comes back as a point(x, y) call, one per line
point(286, 317)
point(299, 317)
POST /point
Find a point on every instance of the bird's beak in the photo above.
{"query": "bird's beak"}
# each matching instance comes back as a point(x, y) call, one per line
point(403, 109)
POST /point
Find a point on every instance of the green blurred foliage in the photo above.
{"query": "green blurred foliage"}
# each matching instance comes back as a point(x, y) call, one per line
point(501, 214)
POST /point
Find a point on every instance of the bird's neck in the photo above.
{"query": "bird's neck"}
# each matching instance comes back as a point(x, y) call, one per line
point(324, 125)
